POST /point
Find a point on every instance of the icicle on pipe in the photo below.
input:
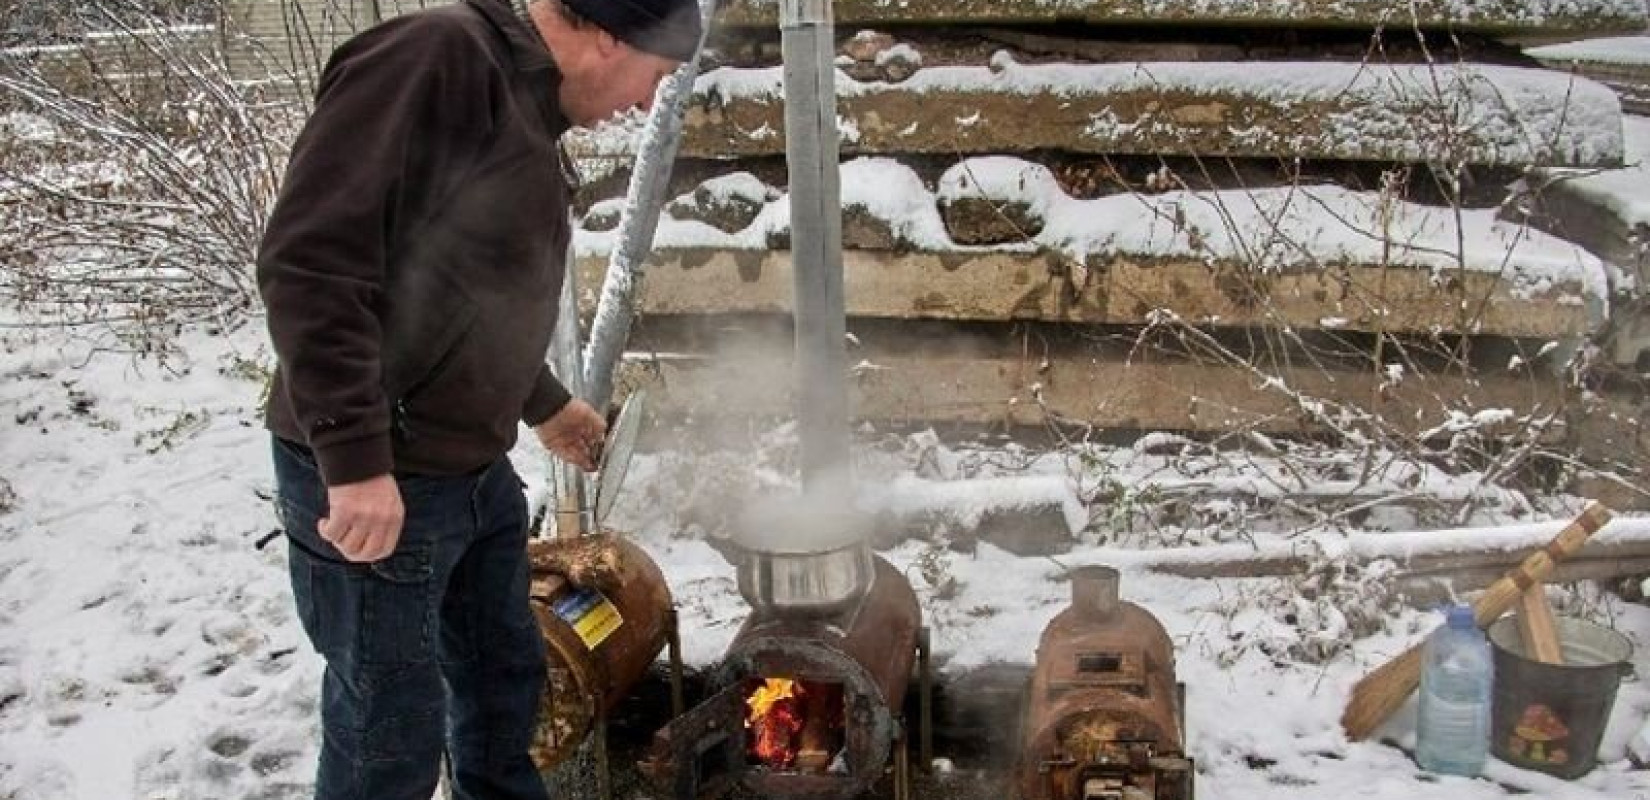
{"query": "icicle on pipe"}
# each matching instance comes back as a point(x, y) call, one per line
point(568, 481)
point(808, 47)
point(649, 178)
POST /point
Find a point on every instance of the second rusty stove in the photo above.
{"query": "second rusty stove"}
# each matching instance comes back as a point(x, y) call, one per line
point(1105, 716)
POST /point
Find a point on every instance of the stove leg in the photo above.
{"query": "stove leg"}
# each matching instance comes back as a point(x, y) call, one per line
point(925, 698)
point(902, 767)
point(673, 642)
point(1180, 709)
point(604, 774)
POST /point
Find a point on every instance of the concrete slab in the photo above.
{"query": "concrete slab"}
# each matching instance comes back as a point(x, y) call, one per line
point(1007, 377)
point(1312, 257)
point(1607, 212)
point(1115, 289)
point(1538, 19)
point(1489, 115)
point(1621, 63)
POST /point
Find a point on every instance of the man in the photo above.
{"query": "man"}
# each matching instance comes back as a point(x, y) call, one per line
point(411, 271)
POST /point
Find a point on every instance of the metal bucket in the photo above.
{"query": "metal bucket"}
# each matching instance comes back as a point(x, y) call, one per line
point(1550, 717)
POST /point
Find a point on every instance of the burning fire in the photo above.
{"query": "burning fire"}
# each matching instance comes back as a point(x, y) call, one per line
point(775, 719)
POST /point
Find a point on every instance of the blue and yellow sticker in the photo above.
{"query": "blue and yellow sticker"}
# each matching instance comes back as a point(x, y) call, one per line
point(592, 615)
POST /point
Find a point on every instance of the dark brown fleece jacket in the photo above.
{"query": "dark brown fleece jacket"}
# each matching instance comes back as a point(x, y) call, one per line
point(412, 264)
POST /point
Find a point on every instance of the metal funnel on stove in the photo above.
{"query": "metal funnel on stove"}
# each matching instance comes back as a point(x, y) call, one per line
point(800, 559)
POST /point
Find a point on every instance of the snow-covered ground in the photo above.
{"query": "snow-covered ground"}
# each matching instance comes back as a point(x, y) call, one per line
point(148, 649)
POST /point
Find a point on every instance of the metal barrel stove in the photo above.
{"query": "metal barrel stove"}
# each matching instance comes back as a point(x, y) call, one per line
point(599, 642)
point(809, 703)
point(1104, 718)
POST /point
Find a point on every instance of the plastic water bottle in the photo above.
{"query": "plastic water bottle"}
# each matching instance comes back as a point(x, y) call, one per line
point(1456, 674)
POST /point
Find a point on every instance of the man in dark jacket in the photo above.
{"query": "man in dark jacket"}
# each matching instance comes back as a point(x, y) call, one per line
point(411, 271)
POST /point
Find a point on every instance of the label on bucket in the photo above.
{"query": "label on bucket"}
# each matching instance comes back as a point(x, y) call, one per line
point(1540, 736)
point(592, 615)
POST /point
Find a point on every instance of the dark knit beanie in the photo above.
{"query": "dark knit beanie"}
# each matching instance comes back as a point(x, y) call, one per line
point(668, 28)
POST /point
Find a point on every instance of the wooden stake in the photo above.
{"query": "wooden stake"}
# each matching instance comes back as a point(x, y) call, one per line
point(1381, 692)
point(1537, 627)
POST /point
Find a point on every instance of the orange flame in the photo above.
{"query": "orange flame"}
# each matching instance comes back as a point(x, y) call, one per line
point(775, 720)
point(762, 700)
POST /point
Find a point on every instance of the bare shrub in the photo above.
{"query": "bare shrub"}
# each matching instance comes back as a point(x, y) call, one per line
point(137, 201)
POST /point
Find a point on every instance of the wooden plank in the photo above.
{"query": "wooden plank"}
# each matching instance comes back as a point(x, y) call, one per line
point(1364, 112)
point(737, 369)
point(1536, 627)
point(1540, 19)
point(1119, 289)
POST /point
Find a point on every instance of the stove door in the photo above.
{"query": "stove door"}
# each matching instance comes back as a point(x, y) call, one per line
point(701, 754)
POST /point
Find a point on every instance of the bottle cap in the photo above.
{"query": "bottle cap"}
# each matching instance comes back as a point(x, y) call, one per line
point(1460, 616)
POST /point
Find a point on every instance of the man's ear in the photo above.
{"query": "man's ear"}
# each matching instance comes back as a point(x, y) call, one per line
point(608, 46)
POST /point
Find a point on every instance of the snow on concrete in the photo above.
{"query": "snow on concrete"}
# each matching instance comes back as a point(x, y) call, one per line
point(738, 186)
point(1623, 192)
point(890, 191)
point(1624, 50)
point(1291, 228)
point(1001, 179)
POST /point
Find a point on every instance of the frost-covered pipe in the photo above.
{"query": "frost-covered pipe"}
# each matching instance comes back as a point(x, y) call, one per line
point(808, 44)
point(569, 483)
point(565, 358)
point(649, 177)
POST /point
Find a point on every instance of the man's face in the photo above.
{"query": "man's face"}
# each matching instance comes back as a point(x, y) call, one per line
point(620, 78)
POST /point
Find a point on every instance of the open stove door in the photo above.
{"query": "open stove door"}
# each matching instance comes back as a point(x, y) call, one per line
point(701, 754)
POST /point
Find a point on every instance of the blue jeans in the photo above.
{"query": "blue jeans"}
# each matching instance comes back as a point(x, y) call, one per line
point(431, 650)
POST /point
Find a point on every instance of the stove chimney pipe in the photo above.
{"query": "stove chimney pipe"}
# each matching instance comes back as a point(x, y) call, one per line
point(1094, 591)
point(808, 48)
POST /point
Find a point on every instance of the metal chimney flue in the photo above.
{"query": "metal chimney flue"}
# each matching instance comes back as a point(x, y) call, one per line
point(808, 46)
point(1094, 591)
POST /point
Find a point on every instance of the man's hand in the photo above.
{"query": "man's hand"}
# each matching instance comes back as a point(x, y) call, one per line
point(574, 434)
point(364, 520)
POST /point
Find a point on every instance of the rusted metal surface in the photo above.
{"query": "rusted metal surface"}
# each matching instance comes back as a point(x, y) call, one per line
point(700, 755)
point(585, 682)
point(863, 656)
point(1103, 716)
point(869, 650)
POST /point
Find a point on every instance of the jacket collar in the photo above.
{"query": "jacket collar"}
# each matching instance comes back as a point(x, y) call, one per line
point(509, 16)
point(529, 53)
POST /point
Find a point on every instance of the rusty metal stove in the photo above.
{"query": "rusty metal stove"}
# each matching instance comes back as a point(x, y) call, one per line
point(1105, 718)
point(812, 686)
